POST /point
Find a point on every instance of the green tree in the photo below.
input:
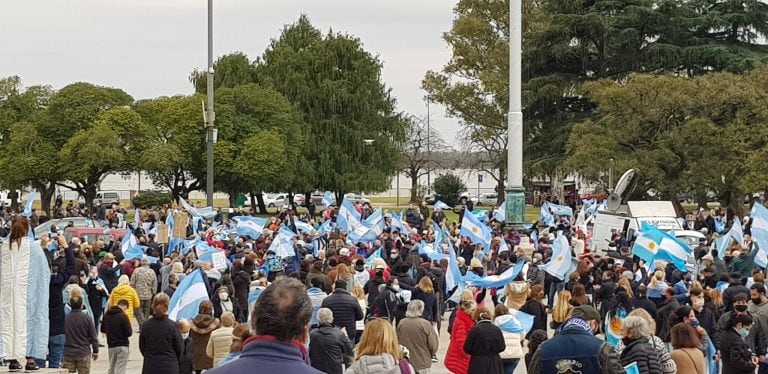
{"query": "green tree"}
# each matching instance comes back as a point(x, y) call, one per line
point(230, 70)
point(113, 143)
point(176, 153)
point(337, 85)
point(448, 188)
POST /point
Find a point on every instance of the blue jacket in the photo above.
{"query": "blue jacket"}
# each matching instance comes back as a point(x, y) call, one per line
point(263, 354)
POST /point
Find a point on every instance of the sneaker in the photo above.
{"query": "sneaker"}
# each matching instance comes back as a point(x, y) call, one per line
point(31, 366)
point(434, 359)
point(14, 366)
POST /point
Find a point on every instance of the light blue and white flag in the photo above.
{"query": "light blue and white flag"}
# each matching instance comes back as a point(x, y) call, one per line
point(760, 232)
point(250, 226)
point(546, 216)
point(735, 233)
point(329, 199)
point(375, 222)
point(282, 246)
point(515, 322)
point(452, 273)
point(376, 254)
point(326, 227)
point(496, 281)
point(646, 246)
point(441, 205)
point(398, 224)
point(28, 205)
point(429, 250)
point(439, 233)
point(481, 214)
point(205, 251)
point(477, 232)
point(284, 230)
point(188, 296)
point(303, 226)
point(500, 214)
point(503, 246)
point(207, 212)
point(669, 248)
point(348, 218)
point(561, 210)
point(560, 264)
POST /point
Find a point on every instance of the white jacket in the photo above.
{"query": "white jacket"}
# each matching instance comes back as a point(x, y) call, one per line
point(513, 341)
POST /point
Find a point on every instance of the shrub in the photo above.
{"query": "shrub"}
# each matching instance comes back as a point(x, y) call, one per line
point(448, 188)
point(152, 198)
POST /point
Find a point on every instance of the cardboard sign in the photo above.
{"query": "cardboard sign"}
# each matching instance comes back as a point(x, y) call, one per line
point(220, 261)
point(180, 223)
point(163, 236)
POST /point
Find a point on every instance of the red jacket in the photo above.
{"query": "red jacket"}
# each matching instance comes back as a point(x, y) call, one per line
point(456, 360)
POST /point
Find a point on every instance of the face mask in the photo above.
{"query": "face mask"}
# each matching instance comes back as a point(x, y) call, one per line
point(359, 267)
point(740, 308)
point(393, 256)
point(743, 332)
point(396, 288)
point(627, 341)
point(184, 336)
point(224, 296)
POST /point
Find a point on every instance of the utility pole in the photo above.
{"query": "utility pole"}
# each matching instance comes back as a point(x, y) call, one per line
point(429, 152)
point(210, 115)
point(515, 194)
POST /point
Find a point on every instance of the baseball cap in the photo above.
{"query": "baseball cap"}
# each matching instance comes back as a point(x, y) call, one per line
point(109, 256)
point(587, 313)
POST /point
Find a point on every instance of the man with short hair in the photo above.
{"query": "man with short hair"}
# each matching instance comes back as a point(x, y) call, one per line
point(418, 335)
point(739, 306)
point(173, 282)
point(758, 334)
point(81, 337)
point(144, 281)
point(117, 327)
point(758, 303)
point(345, 308)
point(576, 349)
point(280, 321)
point(330, 350)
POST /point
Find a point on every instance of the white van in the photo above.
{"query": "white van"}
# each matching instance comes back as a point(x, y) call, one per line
point(629, 218)
point(107, 197)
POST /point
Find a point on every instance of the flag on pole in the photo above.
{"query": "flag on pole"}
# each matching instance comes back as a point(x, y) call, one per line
point(441, 205)
point(28, 205)
point(735, 233)
point(645, 246)
point(546, 215)
point(452, 274)
point(329, 199)
point(760, 232)
point(303, 226)
point(498, 281)
point(500, 214)
point(429, 250)
point(188, 296)
point(477, 232)
point(397, 224)
point(560, 210)
point(348, 218)
point(561, 263)
point(669, 247)
point(282, 246)
point(250, 226)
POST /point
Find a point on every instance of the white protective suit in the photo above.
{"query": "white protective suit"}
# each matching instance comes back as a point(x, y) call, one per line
point(14, 259)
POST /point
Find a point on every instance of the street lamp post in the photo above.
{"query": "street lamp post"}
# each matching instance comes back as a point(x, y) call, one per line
point(429, 152)
point(210, 115)
point(515, 194)
point(610, 175)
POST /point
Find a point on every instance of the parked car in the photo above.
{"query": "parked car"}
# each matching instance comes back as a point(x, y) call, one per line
point(487, 199)
point(356, 198)
point(275, 200)
point(299, 199)
point(89, 235)
point(107, 197)
point(61, 224)
point(466, 196)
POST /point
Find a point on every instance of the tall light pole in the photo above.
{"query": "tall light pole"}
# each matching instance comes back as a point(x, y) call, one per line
point(210, 115)
point(515, 194)
point(429, 152)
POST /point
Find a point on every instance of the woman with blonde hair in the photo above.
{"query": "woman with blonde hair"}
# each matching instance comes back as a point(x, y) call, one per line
point(624, 283)
point(379, 350)
point(344, 273)
point(359, 294)
point(656, 287)
point(562, 309)
point(425, 292)
point(667, 364)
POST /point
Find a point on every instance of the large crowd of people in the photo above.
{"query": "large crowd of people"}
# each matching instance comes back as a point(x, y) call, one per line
point(379, 306)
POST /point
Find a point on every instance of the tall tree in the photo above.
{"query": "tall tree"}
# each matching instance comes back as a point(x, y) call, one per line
point(337, 86)
point(416, 158)
point(176, 135)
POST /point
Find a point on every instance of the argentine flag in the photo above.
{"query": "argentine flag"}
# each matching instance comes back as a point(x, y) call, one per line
point(560, 264)
point(546, 216)
point(760, 232)
point(561, 210)
point(439, 233)
point(329, 199)
point(515, 322)
point(452, 274)
point(500, 214)
point(735, 233)
point(429, 250)
point(376, 254)
point(481, 214)
point(348, 219)
point(477, 232)
point(503, 246)
point(495, 281)
point(303, 226)
point(188, 296)
point(28, 205)
point(205, 252)
point(669, 248)
point(284, 230)
point(375, 222)
point(282, 246)
point(613, 329)
point(646, 246)
point(250, 226)
point(441, 205)
point(397, 224)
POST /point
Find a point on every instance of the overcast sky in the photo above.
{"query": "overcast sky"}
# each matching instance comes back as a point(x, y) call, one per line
point(149, 47)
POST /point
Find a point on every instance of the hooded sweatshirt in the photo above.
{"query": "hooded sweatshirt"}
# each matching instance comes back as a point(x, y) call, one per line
point(381, 364)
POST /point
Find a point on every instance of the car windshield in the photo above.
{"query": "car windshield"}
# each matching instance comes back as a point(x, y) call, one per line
point(691, 241)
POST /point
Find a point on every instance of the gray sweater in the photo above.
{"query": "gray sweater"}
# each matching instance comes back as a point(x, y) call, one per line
point(81, 335)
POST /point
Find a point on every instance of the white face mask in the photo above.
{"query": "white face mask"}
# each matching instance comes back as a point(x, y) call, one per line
point(224, 296)
point(184, 336)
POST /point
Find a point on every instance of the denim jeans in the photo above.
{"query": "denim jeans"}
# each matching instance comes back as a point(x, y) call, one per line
point(556, 286)
point(510, 365)
point(55, 351)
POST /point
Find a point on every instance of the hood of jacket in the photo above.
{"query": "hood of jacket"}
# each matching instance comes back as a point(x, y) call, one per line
point(123, 291)
point(115, 310)
point(315, 292)
point(518, 287)
point(381, 364)
point(204, 324)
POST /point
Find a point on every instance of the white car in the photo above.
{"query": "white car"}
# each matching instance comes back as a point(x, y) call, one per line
point(466, 196)
point(275, 200)
point(356, 198)
point(488, 199)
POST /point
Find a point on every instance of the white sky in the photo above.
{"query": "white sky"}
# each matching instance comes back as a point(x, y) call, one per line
point(149, 47)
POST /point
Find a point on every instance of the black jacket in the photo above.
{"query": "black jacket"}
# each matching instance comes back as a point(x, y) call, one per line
point(641, 352)
point(346, 310)
point(484, 343)
point(644, 303)
point(66, 267)
point(735, 354)
point(539, 313)
point(95, 296)
point(666, 309)
point(117, 326)
point(187, 355)
point(733, 289)
point(161, 345)
point(329, 350)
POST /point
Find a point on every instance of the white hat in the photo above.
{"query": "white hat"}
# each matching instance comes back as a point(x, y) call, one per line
point(344, 252)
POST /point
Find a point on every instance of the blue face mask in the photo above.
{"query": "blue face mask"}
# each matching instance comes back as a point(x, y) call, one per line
point(743, 332)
